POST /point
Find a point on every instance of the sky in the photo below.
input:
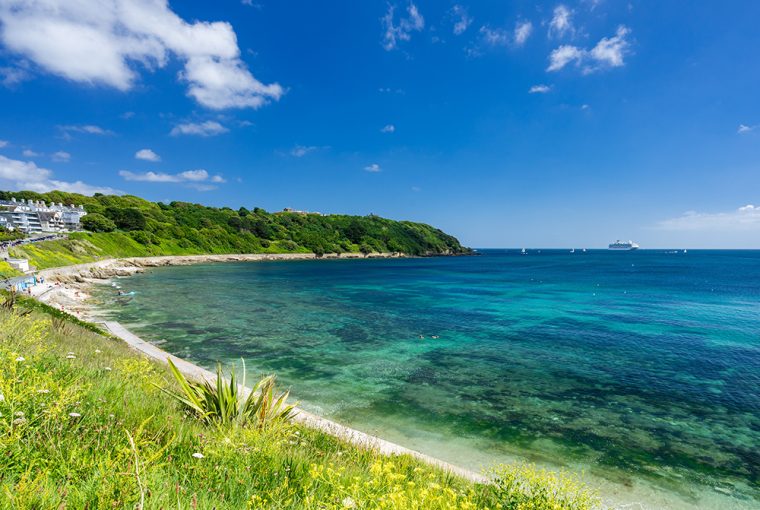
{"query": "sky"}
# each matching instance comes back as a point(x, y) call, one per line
point(506, 124)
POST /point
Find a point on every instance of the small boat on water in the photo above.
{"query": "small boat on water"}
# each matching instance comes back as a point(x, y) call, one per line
point(523, 252)
point(572, 250)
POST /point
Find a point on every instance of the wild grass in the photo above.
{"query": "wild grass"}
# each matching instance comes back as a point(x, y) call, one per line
point(84, 425)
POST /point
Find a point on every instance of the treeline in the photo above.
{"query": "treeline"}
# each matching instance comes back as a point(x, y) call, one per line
point(196, 228)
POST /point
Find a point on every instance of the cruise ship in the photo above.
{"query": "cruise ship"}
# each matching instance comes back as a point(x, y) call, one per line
point(624, 245)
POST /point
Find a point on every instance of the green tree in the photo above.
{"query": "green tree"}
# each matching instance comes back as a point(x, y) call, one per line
point(95, 222)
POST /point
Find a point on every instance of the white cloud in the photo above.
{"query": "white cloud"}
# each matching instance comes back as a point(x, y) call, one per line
point(29, 153)
point(414, 22)
point(494, 36)
point(462, 19)
point(501, 37)
point(88, 129)
point(197, 179)
point(3, 143)
point(610, 50)
point(742, 219)
point(61, 157)
point(539, 89)
point(743, 129)
point(147, 155)
point(208, 128)
point(374, 167)
point(388, 128)
point(522, 32)
point(12, 76)
point(561, 22)
point(107, 42)
point(607, 53)
point(300, 151)
point(26, 175)
point(564, 55)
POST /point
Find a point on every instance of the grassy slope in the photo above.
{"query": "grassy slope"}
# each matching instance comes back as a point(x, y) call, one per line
point(85, 247)
point(132, 442)
point(6, 271)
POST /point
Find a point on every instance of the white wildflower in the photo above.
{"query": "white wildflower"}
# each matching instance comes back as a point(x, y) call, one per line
point(2, 397)
point(198, 455)
point(75, 415)
point(97, 351)
point(348, 502)
point(107, 369)
point(43, 391)
point(19, 414)
point(70, 356)
point(19, 421)
point(20, 359)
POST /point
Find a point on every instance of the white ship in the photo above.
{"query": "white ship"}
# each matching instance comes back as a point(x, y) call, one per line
point(624, 245)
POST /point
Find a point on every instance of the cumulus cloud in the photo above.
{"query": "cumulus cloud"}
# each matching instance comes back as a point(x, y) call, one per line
point(607, 53)
point(29, 153)
point(742, 219)
point(522, 32)
point(61, 157)
point(539, 89)
point(208, 128)
point(743, 129)
point(147, 155)
point(462, 19)
point(197, 179)
point(107, 42)
point(564, 55)
point(610, 50)
point(561, 22)
point(26, 175)
point(374, 167)
point(393, 33)
point(3, 143)
point(388, 128)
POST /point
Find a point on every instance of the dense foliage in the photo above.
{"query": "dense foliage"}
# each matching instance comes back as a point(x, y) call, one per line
point(84, 425)
point(7, 235)
point(185, 228)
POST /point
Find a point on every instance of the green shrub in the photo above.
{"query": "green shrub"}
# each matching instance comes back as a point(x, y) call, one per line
point(220, 402)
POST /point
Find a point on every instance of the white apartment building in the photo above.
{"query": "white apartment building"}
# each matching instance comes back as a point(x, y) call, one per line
point(37, 217)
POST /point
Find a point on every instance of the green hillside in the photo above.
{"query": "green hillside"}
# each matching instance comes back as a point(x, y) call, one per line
point(121, 226)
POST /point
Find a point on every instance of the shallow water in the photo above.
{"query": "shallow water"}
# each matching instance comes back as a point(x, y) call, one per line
point(639, 369)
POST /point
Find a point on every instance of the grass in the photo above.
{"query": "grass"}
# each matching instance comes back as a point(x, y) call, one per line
point(83, 424)
point(6, 271)
point(84, 247)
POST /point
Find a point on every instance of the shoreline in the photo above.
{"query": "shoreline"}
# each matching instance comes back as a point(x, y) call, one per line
point(67, 288)
point(72, 294)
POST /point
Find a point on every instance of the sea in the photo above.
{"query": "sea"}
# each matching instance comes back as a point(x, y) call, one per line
point(638, 371)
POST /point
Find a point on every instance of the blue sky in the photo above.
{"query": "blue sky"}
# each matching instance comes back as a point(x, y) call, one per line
point(536, 124)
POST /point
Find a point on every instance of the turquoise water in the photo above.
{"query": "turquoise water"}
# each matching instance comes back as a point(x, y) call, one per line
point(639, 369)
